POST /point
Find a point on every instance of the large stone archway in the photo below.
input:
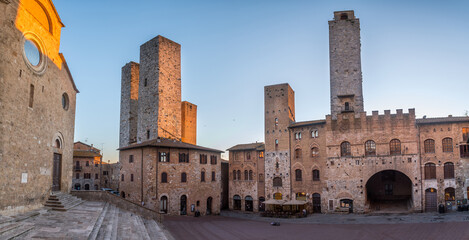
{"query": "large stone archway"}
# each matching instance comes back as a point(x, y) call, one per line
point(389, 191)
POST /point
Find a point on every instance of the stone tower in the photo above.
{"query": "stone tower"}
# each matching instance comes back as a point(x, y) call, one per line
point(129, 104)
point(345, 64)
point(189, 122)
point(159, 101)
point(279, 102)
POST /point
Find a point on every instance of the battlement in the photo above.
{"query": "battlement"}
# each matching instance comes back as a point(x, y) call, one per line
point(344, 15)
point(350, 121)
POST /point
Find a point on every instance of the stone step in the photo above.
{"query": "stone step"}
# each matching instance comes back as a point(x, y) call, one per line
point(59, 201)
point(8, 226)
point(17, 232)
point(99, 221)
point(154, 231)
point(141, 228)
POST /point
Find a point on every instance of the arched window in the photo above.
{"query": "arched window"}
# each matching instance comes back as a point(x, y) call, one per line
point(250, 175)
point(314, 152)
point(430, 171)
point(449, 170)
point(298, 176)
point(277, 182)
point(202, 176)
point(236, 202)
point(315, 175)
point(370, 148)
point(183, 177)
point(164, 177)
point(429, 146)
point(447, 145)
point(297, 153)
point(234, 174)
point(164, 204)
point(395, 147)
point(343, 16)
point(261, 177)
point(246, 177)
point(239, 175)
point(345, 149)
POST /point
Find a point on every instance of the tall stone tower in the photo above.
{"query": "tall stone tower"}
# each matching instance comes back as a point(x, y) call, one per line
point(129, 104)
point(159, 101)
point(279, 102)
point(345, 64)
point(189, 122)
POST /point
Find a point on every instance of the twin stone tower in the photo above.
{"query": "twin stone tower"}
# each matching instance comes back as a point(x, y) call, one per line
point(151, 105)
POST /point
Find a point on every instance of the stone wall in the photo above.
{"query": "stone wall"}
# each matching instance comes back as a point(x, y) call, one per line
point(32, 117)
point(103, 196)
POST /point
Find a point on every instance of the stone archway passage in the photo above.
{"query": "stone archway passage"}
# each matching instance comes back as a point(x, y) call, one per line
point(389, 191)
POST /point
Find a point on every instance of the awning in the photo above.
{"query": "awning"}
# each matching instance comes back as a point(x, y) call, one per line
point(295, 202)
point(274, 202)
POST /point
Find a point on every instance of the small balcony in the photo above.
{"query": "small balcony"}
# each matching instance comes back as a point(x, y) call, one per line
point(77, 168)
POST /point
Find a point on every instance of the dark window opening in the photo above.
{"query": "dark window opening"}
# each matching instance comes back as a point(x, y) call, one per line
point(343, 16)
point(316, 175)
point(430, 171)
point(131, 177)
point(183, 177)
point(298, 174)
point(449, 170)
point(277, 182)
point(370, 148)
point(395, 147)
point(164, 177)
point(131, 158)
point(345, 149)
point(202, 176)
point(31, 95)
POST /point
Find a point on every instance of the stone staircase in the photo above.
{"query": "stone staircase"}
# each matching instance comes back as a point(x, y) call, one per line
point(14, 227)
point(59, 201)
point(114, 223)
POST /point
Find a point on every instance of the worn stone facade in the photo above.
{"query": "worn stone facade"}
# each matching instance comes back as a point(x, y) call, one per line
point(279, 114)
point(37, 106)
point(129, 104)
point(87, 167)
point(189, 122)
point(158, 183)
point(351, 161)
point(247, 176)
point(345, 63)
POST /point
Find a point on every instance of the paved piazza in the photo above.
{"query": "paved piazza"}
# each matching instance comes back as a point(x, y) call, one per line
point(249, 226)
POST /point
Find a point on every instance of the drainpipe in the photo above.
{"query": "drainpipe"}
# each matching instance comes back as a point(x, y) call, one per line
point(420, 168)
point(141, 177)
point(289, 165)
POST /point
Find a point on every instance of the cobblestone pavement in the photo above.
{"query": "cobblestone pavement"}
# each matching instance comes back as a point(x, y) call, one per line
point(249, 226)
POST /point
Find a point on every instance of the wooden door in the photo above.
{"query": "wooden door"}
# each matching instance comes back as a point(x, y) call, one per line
point(316, 203)
point(430, 200)
point(56, 172)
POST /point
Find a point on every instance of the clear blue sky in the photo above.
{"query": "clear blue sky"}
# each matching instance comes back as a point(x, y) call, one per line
point(415, 54)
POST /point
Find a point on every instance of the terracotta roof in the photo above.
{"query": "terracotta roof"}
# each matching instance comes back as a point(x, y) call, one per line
point(306, 123)
point(249, 146)
point(169, 143)
point(442, 120)
point(84, 153)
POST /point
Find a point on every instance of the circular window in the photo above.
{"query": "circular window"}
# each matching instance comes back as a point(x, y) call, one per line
point(65, 101)
point(32, 52)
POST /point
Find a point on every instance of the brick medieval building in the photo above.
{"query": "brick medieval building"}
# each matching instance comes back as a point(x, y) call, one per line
point(161, 167)
point(351, 161)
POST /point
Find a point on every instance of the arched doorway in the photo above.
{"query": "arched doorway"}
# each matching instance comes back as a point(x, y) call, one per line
point(248, 204)
point(389, 191)
point(164, 204)
point(261, 204)
point(431, 201)
point(449, 198)
point(236, 202)
point(183, 205)
point(87, 187)
point(77, 186)
point(209, 206)
point(123, 194)
point(57, 172)
point(316, 203)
